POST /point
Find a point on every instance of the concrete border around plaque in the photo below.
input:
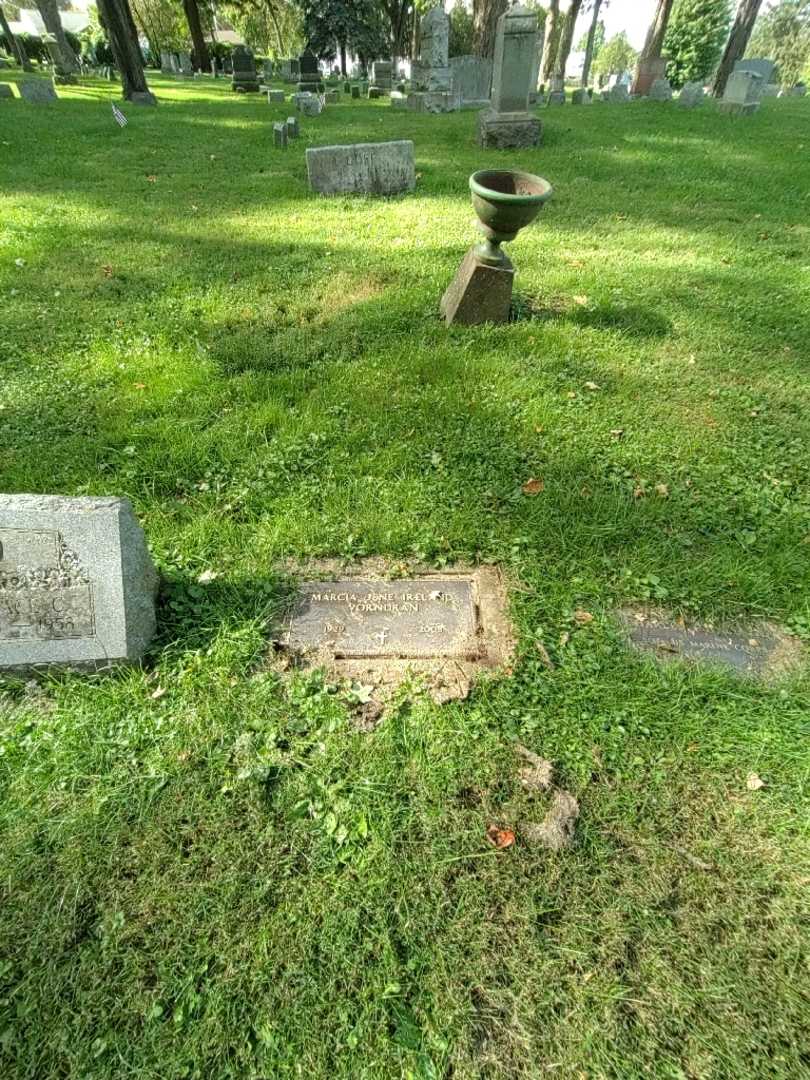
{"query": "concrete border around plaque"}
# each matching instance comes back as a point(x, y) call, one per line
point(442, 626)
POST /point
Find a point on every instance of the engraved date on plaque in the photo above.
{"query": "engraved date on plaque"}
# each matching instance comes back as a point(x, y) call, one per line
point(45, 593)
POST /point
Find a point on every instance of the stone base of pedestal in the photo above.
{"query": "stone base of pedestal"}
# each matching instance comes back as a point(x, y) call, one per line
point(504, 131)
point(245, 85)
point(556, 97)
point(142, 97)
point(478, 293)
point(427, 101)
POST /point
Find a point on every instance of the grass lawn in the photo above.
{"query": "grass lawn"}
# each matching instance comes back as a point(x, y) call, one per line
point(207, 872)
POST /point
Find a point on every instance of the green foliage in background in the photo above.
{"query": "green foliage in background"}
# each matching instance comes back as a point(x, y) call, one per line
point(783, 35)
point(694, 39)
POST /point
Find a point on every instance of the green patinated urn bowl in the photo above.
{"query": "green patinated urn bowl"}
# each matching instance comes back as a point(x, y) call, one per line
point(505, 201)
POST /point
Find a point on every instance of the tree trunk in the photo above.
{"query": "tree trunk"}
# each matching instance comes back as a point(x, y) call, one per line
point(566, 38)
point(586, 65)
point(343, 59)
point(485, 25)
point(652, 45)
point(116, 18)
point(553, 30)
point(65, 59)
point(277, 28)
point(16, 47)
point(202, 60)
point(736, 45)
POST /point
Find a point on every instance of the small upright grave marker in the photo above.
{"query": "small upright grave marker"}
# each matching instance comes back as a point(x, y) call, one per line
point(37, 91)
point(363, 168)
point(691, 95)
point(742, 94)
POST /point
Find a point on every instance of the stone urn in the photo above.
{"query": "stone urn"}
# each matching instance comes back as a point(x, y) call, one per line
point(505, 201)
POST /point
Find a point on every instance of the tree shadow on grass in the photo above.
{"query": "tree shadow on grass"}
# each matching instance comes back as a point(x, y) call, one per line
point(632, 320)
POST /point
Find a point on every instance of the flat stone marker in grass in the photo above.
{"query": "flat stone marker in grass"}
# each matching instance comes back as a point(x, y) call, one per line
point(77, 585)
point(415, 617)
point(37, 91)
point(376, 629)
point(761, 650)
point(363, 168)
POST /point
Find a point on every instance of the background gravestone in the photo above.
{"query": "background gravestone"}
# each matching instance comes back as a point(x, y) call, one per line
point(37, 91)
point(691, 95)
point(431, 75)
point(742, 94)
point(472, 80)
point(764, 68)
point(660, 90)
point(381, 76)
point(508, 122)
point(244, 78)
point(6, 91)
point(309, 77)
point(77, 585)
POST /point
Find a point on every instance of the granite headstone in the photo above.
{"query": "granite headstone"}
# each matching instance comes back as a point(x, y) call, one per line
point(77, 585)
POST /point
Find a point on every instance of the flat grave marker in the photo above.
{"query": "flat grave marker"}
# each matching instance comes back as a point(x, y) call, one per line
point(443, 626)
point(761, 650)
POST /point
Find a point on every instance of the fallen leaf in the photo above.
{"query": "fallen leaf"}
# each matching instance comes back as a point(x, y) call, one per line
point(139, 385)
point(592, 386)
point(206, 576)
point(617, 432)
point(500, 838)
point(19, 262)
point(533, 486)
point(565, 637)
point(581, 300)
point(582, 618)
point(157, 693)
point(754, 782)
point(107, 270)
point(662, 490)
point(152, 179)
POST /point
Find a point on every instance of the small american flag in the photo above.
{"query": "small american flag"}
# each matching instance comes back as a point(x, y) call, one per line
point(118, 116)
